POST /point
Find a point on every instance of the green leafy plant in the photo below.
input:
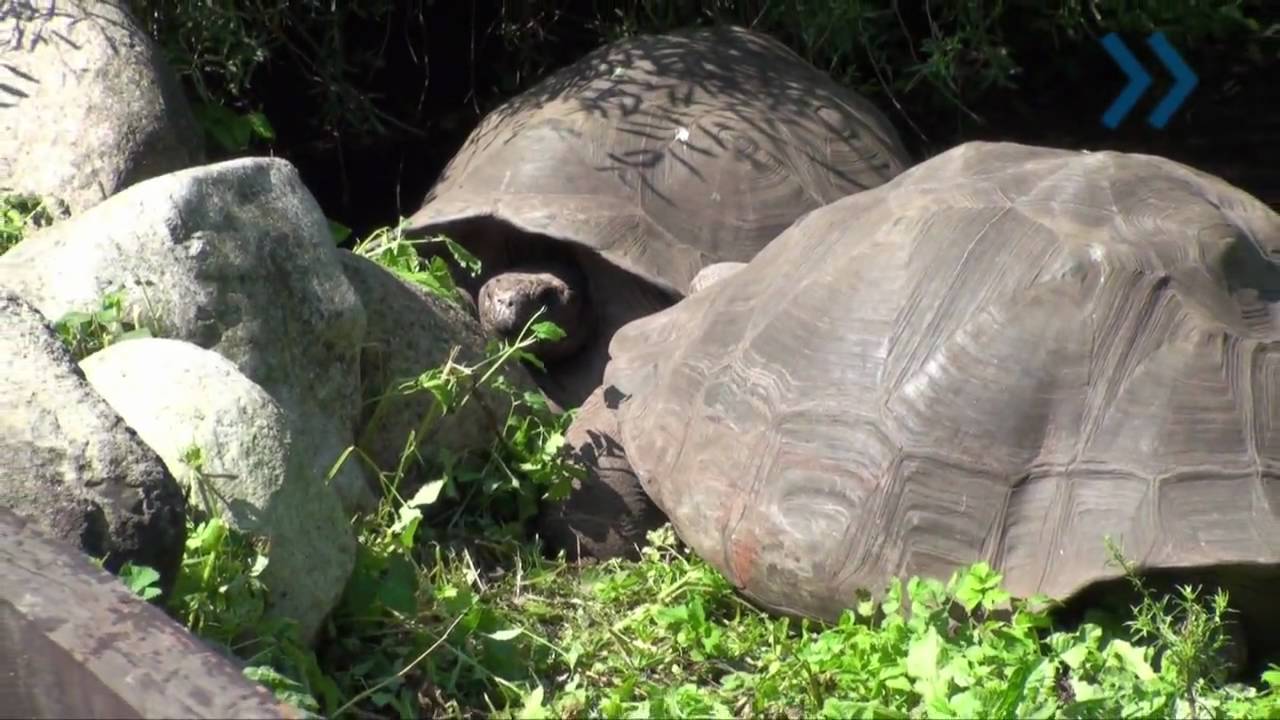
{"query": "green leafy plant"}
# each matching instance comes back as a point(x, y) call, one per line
point(20, 215)
point(232, 131)
point(1188, 635)
point(84, 333)
point(220, 596)
point(143, 580)
point(416, 262)
point(220, 47)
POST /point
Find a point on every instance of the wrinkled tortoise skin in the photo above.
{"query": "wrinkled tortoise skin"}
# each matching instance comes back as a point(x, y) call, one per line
point(1008, 353)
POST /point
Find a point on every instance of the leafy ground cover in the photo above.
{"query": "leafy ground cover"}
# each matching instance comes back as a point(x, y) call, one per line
point(428, 630)
point(453, 610)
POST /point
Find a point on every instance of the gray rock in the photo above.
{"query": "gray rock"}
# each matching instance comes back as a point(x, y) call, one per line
point(69, 464)
point(235, 257)
point(88, 106)
point(409, 332)
point(255, 474)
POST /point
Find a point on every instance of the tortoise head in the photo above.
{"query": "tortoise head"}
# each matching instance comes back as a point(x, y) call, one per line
point(508, 300)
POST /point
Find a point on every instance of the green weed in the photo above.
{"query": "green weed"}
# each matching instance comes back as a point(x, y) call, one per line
point(85, 333)
point(233, 132)
point(219, 48)
point(668, 636)
point(20, 215)
point(402, 255)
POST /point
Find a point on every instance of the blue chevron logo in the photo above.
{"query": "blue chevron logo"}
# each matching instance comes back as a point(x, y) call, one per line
point(1139, 80)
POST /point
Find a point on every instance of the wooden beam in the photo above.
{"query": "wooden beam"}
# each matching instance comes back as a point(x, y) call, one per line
point(76, 643)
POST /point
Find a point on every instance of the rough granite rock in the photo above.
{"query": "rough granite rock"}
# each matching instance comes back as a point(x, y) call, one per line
point(70, 464)
point(254, 472)
point(89, 106)
point(235, 257)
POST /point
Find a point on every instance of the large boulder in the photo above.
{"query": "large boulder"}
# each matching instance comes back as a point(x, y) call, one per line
point(411, 331)
point(90, 107)
point(254, 472)
point(69, 464)
point(235, 257)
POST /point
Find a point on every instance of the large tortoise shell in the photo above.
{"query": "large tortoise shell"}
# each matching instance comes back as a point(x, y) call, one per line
point(1008, 353)
point(665, 153)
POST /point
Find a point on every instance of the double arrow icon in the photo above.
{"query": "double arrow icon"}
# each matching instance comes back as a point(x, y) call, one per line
point(1140, 80)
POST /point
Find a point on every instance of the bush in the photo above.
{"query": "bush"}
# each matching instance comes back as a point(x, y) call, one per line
point(937, 56)
point(220, 47)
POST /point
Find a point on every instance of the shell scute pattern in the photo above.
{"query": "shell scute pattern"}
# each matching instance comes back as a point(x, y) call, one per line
point(701, 145)
point(1007, 353)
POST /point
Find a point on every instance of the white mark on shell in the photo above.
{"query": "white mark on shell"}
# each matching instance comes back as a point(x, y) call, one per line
point(682, 134)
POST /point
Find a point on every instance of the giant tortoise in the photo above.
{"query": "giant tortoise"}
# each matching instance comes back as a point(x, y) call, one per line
point(601, 192)
point(1006, 354)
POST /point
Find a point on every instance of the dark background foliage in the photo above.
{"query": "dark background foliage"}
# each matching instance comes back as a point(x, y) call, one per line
point(371, 98)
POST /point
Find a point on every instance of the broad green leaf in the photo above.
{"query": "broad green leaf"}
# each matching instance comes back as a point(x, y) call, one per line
point(428, 493)
point(505, 635)
point(1015, 690)
point(1132, 659)
point(398, 589)
point(1084, 691)
point(406, 525)
point(463, 256)
point(141, 579)
point(532, 708)
point(339, 232)
point(260, 125)
point(547, 330)
point(922, 656)
point(1075, 655)
point(967, 704)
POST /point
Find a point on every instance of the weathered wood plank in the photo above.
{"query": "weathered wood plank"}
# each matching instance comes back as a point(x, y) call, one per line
point(75, 642)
